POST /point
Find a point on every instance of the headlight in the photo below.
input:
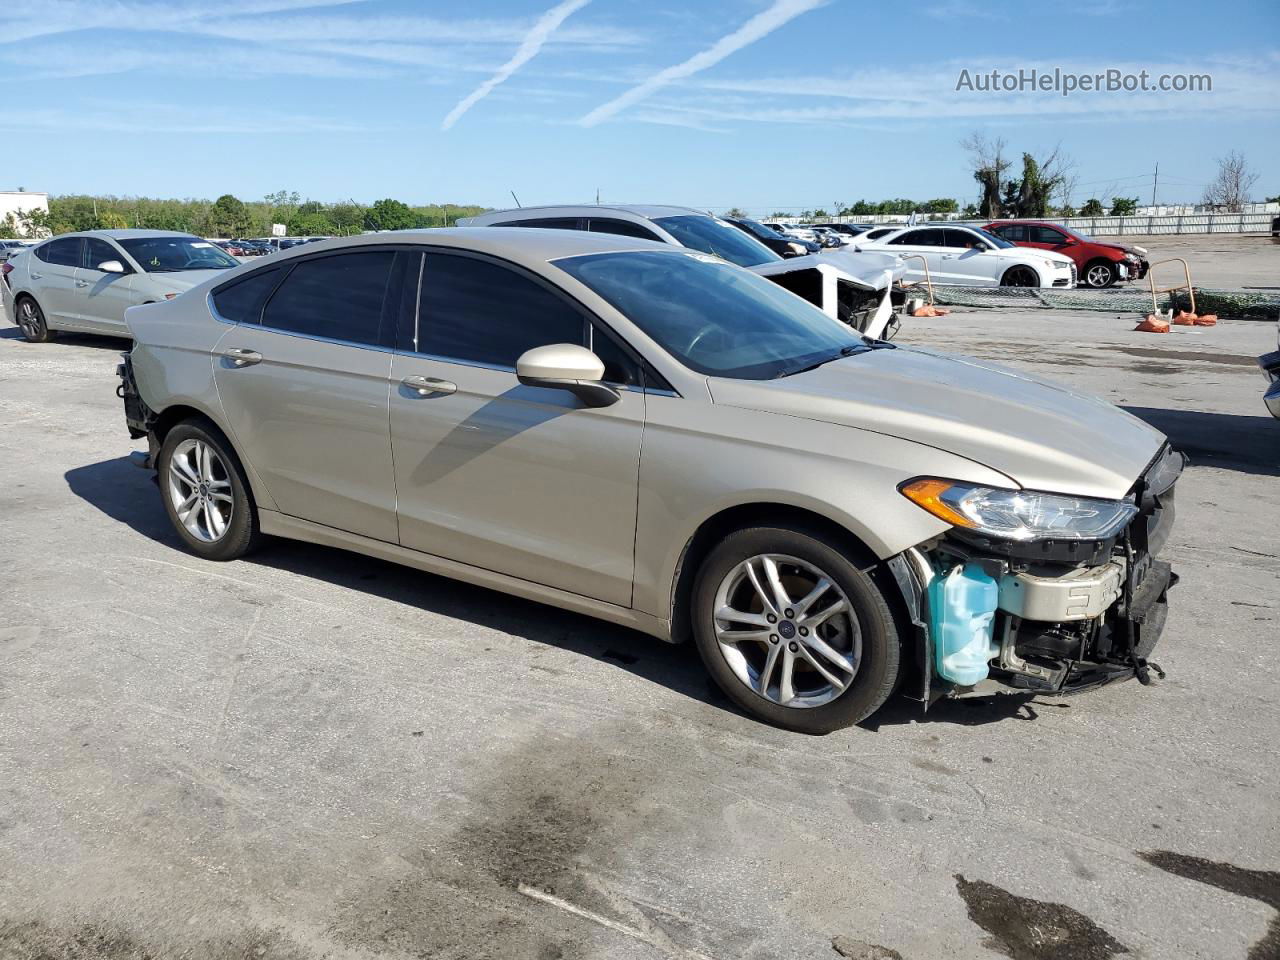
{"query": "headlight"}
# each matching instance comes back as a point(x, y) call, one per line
point(1055, 265)
point(1019, 514)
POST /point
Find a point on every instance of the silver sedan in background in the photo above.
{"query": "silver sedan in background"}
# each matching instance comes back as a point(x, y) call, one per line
point(654, 436)
point(84, 282)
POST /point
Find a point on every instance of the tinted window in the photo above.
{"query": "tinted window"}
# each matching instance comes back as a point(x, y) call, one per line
point(618, 365)
point(962, 239)
point(242, 301)
point(1015, 232)
point(98, 251)
point(719, 239)
point(882, 231)
point(64, 252)
point(921, 238)
point(712, 317)
point(622, 228)
point(338, 297)
point(1046, 235)
point(546, 223)
point(480, 312)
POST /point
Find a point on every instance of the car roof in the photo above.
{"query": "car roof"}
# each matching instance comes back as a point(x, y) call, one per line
point(125, 234)
point(646, 211)
point(519, 244)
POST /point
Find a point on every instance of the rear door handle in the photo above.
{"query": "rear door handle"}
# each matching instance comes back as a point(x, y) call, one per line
point(82, 283)
point(426, 386)
point(37, 276)
point(242, 357)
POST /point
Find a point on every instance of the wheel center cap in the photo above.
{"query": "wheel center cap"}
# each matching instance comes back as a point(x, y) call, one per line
point(204, 489)
point(787, 629)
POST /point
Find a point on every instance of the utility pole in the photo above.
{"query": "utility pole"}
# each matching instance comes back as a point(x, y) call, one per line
point(1154, 183)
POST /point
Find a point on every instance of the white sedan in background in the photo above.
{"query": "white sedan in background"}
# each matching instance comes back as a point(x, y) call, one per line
point(84, 282)
point(967, 256)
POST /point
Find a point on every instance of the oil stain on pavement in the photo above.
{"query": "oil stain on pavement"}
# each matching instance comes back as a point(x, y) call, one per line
point(1026, 929)
point(1260, 885)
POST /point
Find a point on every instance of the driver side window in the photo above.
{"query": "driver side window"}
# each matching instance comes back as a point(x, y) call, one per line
point(99, 251)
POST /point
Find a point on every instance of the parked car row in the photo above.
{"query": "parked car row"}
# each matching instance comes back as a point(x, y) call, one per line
point(856, 289)
point(627, 423)
point(969, 256)
point(10, 247)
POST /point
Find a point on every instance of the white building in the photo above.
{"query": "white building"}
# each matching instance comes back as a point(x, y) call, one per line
point(14, 203)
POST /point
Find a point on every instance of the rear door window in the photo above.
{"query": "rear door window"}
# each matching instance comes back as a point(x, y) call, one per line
point(920, 238)
point(340, 297)
point(1013, 232)
point(1046, 235)
point(242, 301)
point(546, 223)
point(64, 252)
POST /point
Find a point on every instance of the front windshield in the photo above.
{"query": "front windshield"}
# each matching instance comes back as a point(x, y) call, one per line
point(718, 239)
point(713, 317)
point(991, 238)
point(173, 254)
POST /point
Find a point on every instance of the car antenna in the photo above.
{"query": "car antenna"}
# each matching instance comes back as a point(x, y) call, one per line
point(515, 198)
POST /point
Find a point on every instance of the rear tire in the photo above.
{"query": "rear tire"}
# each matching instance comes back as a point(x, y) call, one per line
point(31, 321)
point(781, 670)
point(206, 493)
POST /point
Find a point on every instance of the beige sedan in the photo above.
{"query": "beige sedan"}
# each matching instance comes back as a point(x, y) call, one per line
point(661, 439)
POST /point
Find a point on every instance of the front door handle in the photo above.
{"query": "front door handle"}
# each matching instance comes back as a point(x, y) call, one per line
point(241, 357)
point(426, 386)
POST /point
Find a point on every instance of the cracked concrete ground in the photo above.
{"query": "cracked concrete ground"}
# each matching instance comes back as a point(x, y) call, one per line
point(312, 754)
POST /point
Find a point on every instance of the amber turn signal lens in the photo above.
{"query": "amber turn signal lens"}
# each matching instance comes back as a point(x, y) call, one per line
point(928, 493)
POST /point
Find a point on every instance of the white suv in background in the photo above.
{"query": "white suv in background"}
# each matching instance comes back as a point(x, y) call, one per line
point(84, 282)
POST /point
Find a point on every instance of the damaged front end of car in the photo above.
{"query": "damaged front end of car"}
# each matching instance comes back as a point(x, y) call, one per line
point(854, 288)
point(1056, 610)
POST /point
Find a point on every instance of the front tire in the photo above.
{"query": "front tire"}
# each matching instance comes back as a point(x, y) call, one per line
point(792, 631)
point(206, 493)
point(31, 321)
point(1099, 274)
point(1020, 276)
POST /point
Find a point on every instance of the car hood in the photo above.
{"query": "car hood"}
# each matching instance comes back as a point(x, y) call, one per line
point(1045, 254)
point(1125, 247)
point(874, 271)
point(1039, 434)
point(182, 280)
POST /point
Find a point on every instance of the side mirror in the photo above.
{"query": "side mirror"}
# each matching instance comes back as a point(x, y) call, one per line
point(1070, 242)
point(566, 366)
point(111, 266)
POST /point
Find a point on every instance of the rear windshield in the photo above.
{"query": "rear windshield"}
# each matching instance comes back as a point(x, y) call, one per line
point(174, 254)
point(718, 239)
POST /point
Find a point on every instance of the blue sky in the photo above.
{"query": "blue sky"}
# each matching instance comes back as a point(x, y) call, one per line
point(764, 104)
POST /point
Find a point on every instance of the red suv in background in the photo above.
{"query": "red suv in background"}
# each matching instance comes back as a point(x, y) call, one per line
point(1098, 264)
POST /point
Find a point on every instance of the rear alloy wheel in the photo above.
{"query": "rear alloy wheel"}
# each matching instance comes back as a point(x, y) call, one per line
point(793, 632)
point(1020, 277)
point(206, 494)
point(1099, 275)
point(31, 322)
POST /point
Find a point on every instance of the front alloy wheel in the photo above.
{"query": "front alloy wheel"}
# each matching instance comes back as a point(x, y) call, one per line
point(792, 630)
point(1100, 275)
point(787, 631)
point(1020, 277)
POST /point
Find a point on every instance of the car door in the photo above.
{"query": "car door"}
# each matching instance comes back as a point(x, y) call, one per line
point(104, 296)
point(53, 280)
point(303, 373)
point(969, 259)
point(930, 243)
point(525, 481)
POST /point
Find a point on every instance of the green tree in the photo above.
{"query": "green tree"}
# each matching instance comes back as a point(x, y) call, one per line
point(1092, 208)
point(1124, 206)
point(314, 223)
point(389, 214)
point(347, 216)
point(736, 212)
point(941, 205)
point(970, 211)
point(228, 217)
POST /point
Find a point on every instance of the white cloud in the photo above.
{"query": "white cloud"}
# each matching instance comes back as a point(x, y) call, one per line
point(758, 27)
point(546, 25)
